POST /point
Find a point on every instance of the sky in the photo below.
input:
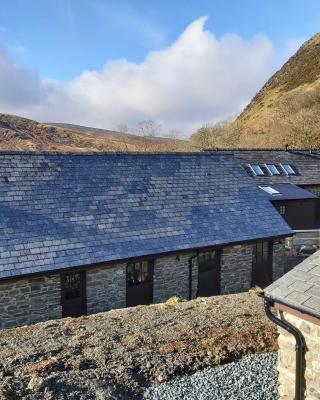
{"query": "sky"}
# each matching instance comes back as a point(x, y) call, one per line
point(181, 63)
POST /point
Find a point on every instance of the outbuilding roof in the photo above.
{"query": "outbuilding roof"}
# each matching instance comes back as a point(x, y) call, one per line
point(300, 287)
point(64, 210)
point(305, 162)
point(288, 191)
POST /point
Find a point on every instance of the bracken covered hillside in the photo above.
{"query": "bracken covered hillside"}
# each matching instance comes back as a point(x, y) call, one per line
point(117, 355)
point(17, 133)
point(287, 108)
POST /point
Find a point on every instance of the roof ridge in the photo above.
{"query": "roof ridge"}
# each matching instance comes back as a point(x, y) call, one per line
point(73, 153)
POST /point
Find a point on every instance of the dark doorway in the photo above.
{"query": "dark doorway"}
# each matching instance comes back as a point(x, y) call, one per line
point(140, 283)
point(209, 273)
point(262, 263)
point(73, 293)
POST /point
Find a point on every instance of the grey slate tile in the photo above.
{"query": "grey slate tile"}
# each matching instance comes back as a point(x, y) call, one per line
point(59, 211)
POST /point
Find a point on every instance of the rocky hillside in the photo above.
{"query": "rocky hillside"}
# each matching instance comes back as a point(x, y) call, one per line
point(18, 133)
point(118, 354)
point(287, 108)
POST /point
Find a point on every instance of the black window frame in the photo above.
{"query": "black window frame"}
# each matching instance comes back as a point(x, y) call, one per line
point(147, 277)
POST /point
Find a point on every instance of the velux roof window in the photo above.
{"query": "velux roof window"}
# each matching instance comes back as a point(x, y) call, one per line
point(270, 190)
point(273, 169)
point(257, 170)
point(288, 169)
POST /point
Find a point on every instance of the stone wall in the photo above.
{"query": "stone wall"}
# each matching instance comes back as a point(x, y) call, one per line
point(286, 359)
point(27, 301)
point(106, 288)
point(278, 262)
point(236, 268)
point(171, 277)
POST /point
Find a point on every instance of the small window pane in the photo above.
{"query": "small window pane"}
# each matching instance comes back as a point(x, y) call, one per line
point(288, 169)
point(138, 273)
point(273, 169)
point(270, 190)
point(257, 169)
point(282, 210)
point(71, 286)
point(207, 261)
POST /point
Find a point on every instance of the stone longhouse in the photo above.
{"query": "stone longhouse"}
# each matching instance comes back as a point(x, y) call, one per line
point(84, 233)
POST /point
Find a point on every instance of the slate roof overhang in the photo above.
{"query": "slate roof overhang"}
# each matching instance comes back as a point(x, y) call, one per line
point(60, 211)
point(300, 287)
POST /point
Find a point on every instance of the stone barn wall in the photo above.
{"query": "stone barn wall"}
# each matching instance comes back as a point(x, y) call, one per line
point(286, 359)
point(26, 301)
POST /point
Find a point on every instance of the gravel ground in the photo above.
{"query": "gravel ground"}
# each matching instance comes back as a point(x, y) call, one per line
point(253, 378)
point(118, 354)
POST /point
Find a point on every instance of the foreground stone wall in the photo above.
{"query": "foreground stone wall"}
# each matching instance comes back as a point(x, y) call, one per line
point(27, 301)
point(286, 359)
point(236, 269)
point(106, 288)
point(278, 262)
point(171, 277)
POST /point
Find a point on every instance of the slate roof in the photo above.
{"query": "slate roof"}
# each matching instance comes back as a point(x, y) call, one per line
point(300, 287)
point(64, 210)
point(288, 191)
point(307, 164)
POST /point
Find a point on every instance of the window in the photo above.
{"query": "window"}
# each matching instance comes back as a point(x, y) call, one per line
point(270, 190)
point(138, 273)
point(207, 260)
point(72, 286)
point(282, 210)
point(288, 169)
point(257, 170)
point(273, 169)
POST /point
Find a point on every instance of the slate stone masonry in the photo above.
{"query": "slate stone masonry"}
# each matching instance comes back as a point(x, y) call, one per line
point(287, 363)
point(106, 288)
point(36, 299)
point(278, 261)
point(27, 301)
point(171, 277)
point(236, 269)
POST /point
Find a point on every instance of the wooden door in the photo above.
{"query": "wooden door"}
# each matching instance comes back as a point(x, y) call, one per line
point(140, 283)
point(208, 273)
point(73, 293)
point(262, 263)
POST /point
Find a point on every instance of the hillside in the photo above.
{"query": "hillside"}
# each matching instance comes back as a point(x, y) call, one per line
point(22, 134)
point(118, 354)
point(287, 108)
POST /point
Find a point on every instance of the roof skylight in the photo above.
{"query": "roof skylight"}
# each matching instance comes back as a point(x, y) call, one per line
point(288, 169)
point(257, 170)
point(270, 190)
point(273, 169)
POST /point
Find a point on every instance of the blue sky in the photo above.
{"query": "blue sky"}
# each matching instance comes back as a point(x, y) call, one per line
point(59, 40)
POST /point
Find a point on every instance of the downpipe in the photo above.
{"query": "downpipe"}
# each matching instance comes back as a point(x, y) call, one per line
point(299, 347)
point(190, 274)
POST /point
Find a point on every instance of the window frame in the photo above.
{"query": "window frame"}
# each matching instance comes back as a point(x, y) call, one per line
point(270, 169)
point(282, 209)
point(283, 166)
point(251, 166)
point(149, 263)
point(272, 192)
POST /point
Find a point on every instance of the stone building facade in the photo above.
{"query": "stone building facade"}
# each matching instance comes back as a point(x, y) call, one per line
point(286, 359)
point(25, 301)
point(293, 303)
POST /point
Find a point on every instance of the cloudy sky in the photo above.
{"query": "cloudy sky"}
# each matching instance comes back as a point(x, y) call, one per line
point(180, 63)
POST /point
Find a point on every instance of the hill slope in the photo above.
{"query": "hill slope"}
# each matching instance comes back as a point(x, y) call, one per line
point(17, 133)
point(287, 107)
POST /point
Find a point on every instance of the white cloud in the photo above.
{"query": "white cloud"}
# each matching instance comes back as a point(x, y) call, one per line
point(198, 78)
